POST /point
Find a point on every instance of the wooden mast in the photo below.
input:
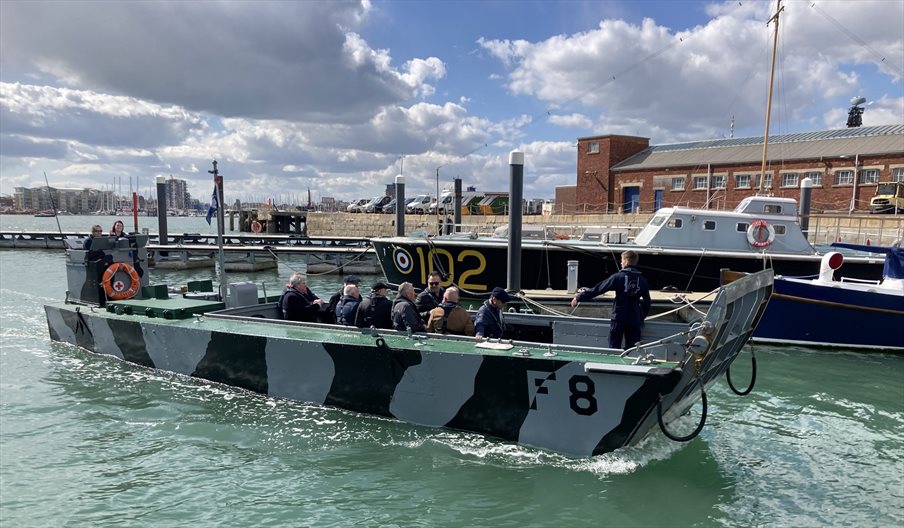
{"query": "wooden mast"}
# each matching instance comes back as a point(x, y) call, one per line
point(778, 10)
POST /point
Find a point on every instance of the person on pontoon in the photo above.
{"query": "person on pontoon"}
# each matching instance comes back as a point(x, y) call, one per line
point(631, 305)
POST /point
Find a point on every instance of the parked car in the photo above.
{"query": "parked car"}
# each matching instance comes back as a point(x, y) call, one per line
point(376, 204)
point(357, 206)
point(390, 206)
point(420, 204)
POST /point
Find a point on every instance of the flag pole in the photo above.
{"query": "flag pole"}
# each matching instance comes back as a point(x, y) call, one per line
point(218, 195)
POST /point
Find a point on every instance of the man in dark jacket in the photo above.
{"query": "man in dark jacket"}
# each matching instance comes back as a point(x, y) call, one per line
point(488, 323)
point(376, 310)
point(432, 295)
point(298, 302)
point(404, 312)
point(631, 305)
point(336, 297)
point(347, 307)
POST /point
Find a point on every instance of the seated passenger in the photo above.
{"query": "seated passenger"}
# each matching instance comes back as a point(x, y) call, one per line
point(489, 323)
point(298, 302)
point(449, 317)
point(347, 306)
point(117, 229)
point(404, 311)
point(376, 310)
point(96, 231)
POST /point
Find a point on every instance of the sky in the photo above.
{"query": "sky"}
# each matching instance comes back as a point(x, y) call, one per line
point(340, 97)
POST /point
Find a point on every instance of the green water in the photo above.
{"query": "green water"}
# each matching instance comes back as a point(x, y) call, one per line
point(91, 441)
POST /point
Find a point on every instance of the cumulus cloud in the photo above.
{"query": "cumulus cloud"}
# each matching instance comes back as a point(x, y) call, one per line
point(297, 60)
point(686, 83)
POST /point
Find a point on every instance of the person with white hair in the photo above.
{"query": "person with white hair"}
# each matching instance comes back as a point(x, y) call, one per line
point(347, 307)
point(404, 312)
point(298, 302)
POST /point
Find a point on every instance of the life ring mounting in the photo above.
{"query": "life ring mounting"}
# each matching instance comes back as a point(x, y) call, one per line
point(760, 234)
point(115, 289)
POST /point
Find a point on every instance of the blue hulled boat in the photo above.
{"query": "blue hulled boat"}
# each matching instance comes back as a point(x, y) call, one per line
point(846, 313)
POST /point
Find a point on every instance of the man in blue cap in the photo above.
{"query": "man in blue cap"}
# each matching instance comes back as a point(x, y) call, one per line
point(489, 323)
point(334, 300)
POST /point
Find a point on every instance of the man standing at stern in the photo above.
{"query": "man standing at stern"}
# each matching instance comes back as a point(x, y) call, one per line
point(631, 305)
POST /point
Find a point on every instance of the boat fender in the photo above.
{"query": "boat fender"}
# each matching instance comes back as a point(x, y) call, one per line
point(115, 289)
point(752, 378)
point(760, 234)
point(830, 262)
point(693, 433)
point(381, 342)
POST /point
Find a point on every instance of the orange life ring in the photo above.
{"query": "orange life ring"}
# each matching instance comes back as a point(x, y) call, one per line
point(760, 234)
point(256, 227)
point(115, 289)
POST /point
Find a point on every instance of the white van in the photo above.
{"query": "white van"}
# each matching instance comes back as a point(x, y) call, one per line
point(420, 204)
point(357, 206)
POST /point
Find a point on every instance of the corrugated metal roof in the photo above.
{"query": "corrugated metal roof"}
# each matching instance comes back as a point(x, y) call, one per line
point(786, 147)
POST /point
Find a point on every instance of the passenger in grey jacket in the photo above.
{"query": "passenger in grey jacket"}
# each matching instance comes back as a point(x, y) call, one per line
point(404, 312)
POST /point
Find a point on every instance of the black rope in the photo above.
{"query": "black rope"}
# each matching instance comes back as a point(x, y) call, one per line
point(752, 378)
point(693, 433)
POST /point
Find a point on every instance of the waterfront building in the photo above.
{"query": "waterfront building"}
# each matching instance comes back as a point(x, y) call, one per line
point(626, 174)
point(69, 200)
point(177, 195)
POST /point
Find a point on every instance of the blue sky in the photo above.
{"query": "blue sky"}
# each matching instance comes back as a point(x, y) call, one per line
point(329, 95)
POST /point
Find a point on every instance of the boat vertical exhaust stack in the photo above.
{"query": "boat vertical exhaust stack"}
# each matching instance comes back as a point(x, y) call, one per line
point(572, 276)
point(161, 210)
point(516, 190)
point(400, 205)
point(806, 191)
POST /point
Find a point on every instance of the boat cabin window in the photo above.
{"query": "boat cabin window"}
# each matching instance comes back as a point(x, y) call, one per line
point(742, 227)
point(675, 223)
point(709, 225)
point(772, 209)
point(657, 220)
point(779, 229)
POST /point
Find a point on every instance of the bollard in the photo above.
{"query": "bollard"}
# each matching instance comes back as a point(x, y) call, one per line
point(572, 276)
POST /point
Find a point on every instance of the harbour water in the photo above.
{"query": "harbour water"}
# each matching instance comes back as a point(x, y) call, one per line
point(91, 441)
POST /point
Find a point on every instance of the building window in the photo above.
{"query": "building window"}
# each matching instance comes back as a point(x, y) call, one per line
point(677, 184)
point(844, 177)
point(718, 182)
point(789, 179)
point(742, 181)
point(767, 181)
point(816, 177)
point(868, 176)
point(897, 174)
point(593, 147)
point(709, 225)
point(699, 182)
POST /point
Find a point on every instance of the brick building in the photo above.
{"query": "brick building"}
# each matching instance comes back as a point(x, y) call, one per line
point(624, 173)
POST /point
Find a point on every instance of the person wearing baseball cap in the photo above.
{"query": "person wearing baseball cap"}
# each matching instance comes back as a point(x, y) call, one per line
point(489, 323)
point(375, 310)
point(336, 297)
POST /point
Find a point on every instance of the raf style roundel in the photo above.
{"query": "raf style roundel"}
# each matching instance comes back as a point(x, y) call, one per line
point(402, 260)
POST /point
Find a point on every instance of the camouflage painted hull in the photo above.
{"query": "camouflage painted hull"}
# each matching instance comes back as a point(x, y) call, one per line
point(570, 399)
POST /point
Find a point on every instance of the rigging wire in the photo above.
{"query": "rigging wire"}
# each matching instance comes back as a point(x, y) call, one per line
point(850, 34)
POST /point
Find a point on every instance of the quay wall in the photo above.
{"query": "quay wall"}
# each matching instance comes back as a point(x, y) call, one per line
point(824, 228)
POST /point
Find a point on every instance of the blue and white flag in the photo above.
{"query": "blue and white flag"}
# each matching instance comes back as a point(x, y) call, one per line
point(214, 204)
